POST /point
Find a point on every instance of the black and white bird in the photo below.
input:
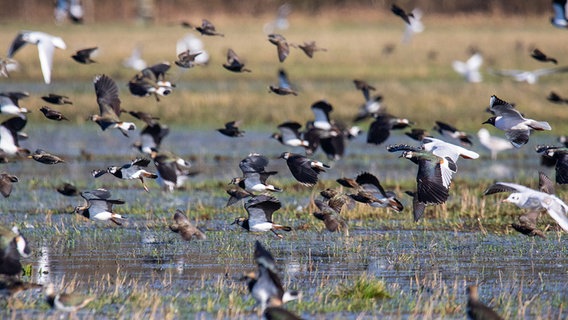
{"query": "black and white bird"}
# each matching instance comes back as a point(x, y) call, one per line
point(234, 63)
point(98, 206)
point(84, 55)
point(449, 131)
point(13, 246)
point(290, 135)
point(379, 130)
point(370, 191)
point(109, 106)
point(9, 103)
point(281, 44)
point(527, 198)
point(67, 302)
point(9, 136)
point(151, 81)
point(129, 171)
point(260, 210)
point(46, 45)
point(372, 105)
point(324, 132)
point(284, 87)
point(265, 285)
point(304, 169)
point(185, 228)
point(254, 174)
point(517, 128)
point(173, 171)
point(434, 175)
point(151, 138)
point(560, 157)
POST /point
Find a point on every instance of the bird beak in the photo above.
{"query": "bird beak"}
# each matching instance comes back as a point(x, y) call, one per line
point(505, 200)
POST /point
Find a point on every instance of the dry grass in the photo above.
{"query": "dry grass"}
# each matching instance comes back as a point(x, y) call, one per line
point(414, 85)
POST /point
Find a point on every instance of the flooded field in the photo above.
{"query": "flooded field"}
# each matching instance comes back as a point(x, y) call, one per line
point(144, 270)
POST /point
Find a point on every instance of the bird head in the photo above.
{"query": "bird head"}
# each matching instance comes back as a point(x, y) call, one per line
point(238, 221)
point(490, 121)
point(284, 155)
point(112, 169)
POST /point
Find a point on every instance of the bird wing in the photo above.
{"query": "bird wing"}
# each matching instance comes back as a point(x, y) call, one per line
point(17, 43)
point(517, 137)
point(506, 187)
point(107, 96)
point(45, 50)
point(260, 208)
point(379, 130)
point(556, 208)
point(545, 184)
point(546, 71)
point(370, 183)
point(283, 81)
point(301, 170)
point(431, 187)
point(253, 163)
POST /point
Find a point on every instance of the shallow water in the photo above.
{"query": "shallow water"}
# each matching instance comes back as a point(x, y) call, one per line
point(413, 263)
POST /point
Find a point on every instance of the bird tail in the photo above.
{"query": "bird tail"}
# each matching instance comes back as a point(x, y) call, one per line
point(283, 228)
point(149, 175)
point(540, 125)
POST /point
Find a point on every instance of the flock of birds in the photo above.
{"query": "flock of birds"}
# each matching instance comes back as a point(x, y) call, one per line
point(436, 158)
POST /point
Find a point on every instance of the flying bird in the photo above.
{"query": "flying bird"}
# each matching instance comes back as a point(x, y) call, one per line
point(284, 88)
point(231, 129)
point(449, 131)
point(555, 98)
point(135, 60)
point(98, 206)
point(398, 11)
point(234, 63)
point(260, 210)
point(541, 56)
point(45, 157)
point(290, 135)
point(309, 48)
point(109, 106)
point(303, 169)
point(151, 138)
point(186, 59)
point(370, 191)
point(527, 198)
point(205, 29)
point(560, 157)
point(379, 130)
point(151, 81)
point(492, 143)
point(13, 246)
point(470, 69)
point(133, 170)
point(10, 103)
point(185, 228)
point(56, 99)
point(46, 45)
point(173, 171)
point(6, 181)
point(281, 45)
point(52, 114)
point(84, 55)
point(517, 128)
point(531, 77)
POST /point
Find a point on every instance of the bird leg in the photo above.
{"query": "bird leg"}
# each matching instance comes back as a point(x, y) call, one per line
point(277, 235)
point(143, 184)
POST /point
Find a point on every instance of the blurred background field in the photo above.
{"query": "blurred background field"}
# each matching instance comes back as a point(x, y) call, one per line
point(363, 41)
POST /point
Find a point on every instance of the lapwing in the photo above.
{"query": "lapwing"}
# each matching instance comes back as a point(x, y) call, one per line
point(151, 138)
point(284, 87)
point(379, 130)
point(231, 129)
point(260, 209)
point(13, 246)
point(173, 171)
point(109, 106)
point(9, 135)
point(9, 103)
point(370, 191)
point(133, 170)
point(290, 135)
point(449, 131)
point(151, 81)
point(254, 174)
point(67, 302)
point(304, 169)
point(98, 206)
point(560, 157)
